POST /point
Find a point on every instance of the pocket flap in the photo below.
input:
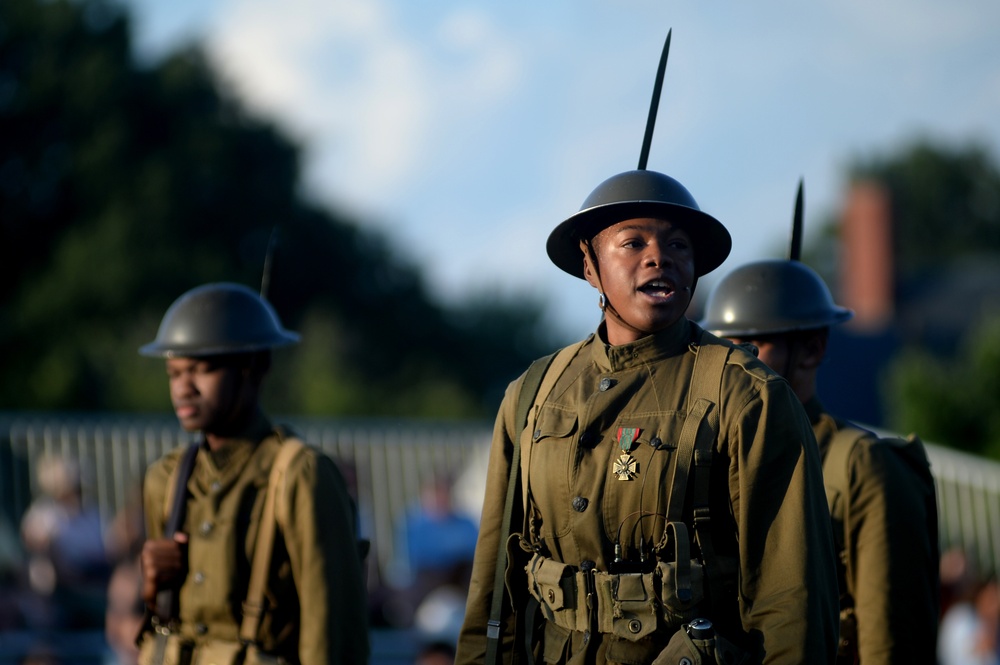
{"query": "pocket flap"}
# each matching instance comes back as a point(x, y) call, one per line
point(549, 577)
point(554, 424)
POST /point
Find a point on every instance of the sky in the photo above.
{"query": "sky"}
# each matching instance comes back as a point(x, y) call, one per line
point(466, 131)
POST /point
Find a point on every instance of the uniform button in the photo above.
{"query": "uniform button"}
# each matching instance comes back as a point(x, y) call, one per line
point(199, 577)
point(634, 626)
point(655, 442)
point(206, 527)
point(580, 504)
point(201, 628)
point(537, 435)
point(684, 661)
point(216, 486)
point(552, 596)
point(606, 384)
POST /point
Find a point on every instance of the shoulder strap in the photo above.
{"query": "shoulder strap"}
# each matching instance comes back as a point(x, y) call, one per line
point(537, 379)
point(555, 369)
point(693, 459)
point(176, 499)
point(695, 443)
point(835, 478)
point(253, 606)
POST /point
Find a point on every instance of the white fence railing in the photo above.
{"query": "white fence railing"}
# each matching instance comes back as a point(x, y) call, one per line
point(389, 461)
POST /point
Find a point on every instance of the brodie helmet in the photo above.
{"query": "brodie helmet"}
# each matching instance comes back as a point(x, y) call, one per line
point(216, 319)
point(774, 296)
point(641, 193)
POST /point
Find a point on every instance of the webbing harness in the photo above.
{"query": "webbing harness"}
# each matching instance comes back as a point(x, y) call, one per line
point(694, 447)
point(531, 390)
point(274, 516)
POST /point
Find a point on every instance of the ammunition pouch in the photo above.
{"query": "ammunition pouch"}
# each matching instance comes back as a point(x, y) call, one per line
point(630, 606)
point(561, 592)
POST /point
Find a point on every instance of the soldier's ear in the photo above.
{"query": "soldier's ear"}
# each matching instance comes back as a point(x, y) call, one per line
point(589, 269)
point(814, 349)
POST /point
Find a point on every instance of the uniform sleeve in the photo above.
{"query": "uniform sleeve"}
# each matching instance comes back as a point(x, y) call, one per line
point(788, 584)
point(154, 494)
point(326, 565)
point(892, 558)
point(472, 638)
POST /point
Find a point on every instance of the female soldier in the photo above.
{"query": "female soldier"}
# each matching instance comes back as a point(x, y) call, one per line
point(671, 491)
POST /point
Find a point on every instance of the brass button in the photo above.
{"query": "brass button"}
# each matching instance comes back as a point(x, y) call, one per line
point(199, 578)
point(206, 527)
point(552, 596)
point(634, 626)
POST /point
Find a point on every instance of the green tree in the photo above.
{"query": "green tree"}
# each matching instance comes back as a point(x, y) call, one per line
point(121, 186)
point(954, 402)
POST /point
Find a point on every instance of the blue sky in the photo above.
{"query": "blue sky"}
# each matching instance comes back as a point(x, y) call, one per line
point(468, 130)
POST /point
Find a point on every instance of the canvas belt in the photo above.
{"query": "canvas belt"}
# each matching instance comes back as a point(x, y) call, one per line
point(629, 605)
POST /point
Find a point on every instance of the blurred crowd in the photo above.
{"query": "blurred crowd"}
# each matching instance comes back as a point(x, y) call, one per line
point(61, 571)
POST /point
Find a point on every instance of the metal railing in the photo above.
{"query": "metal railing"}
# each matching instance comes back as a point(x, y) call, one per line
point(389, 461)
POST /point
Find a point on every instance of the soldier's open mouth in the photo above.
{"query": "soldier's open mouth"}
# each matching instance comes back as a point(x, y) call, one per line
point(657, 289)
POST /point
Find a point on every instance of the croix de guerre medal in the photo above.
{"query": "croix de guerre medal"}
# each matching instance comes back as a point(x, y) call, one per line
point(626, 467)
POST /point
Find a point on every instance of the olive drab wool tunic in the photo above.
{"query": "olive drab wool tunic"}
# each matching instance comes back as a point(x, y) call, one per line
point(768, 510)
point(889, 566)
point(315, 591)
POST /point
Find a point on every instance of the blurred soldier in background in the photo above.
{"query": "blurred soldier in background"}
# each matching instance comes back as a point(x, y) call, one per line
point(880, 491)
point(199, 568)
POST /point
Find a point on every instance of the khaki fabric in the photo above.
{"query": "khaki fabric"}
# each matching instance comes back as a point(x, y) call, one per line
point(889, 567)
point(315, 592)
point(768, 507)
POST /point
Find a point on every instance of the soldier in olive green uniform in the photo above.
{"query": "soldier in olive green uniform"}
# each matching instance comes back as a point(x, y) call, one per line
point(624, 533)
point(217, 339)
point(881, 492)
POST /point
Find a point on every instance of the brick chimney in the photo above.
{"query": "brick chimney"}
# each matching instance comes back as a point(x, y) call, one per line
point(866, 259)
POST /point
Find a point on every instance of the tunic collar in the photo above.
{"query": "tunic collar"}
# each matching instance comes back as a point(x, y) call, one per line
point(670, 341)
point(237, 449)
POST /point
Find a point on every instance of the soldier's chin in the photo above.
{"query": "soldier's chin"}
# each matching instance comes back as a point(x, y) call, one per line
point(191, 423)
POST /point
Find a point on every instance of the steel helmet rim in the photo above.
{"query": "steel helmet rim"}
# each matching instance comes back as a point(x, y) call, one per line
point(611, 202)
point(769, 298)
point(218, 319)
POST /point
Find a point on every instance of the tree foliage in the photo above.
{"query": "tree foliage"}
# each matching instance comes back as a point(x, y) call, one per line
point(122, 186)
point(945, 202)
point(954, 402)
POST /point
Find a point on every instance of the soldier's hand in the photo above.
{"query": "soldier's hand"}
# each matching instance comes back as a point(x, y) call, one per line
point(163, 560)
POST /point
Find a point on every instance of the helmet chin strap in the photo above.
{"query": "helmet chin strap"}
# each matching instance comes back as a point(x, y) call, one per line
point(609, 309)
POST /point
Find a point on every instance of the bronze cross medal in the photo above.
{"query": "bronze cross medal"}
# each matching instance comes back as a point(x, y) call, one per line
point(626, 467)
